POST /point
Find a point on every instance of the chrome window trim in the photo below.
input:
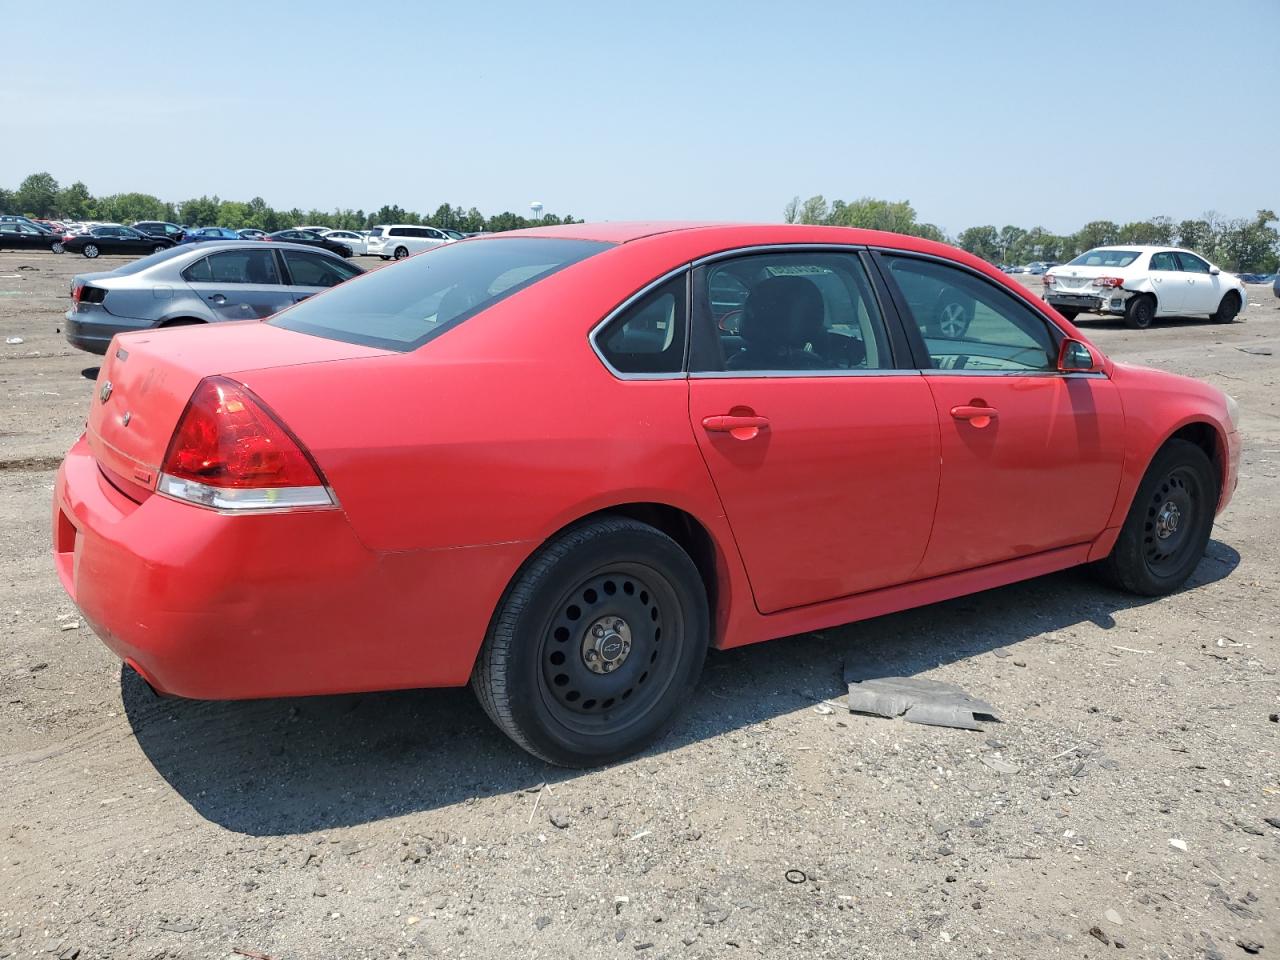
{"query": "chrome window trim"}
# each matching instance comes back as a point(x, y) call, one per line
point(800, 374)
point(1061, 374)
point(592, 336)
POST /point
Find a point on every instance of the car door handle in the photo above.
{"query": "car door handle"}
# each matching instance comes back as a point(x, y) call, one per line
point(979, 415)
point(218, 298)
point(738, 427)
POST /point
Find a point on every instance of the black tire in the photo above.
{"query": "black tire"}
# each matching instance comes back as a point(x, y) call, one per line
point(57, 248)
point(1227, 309)
point(401, 253)
point(1140, 311)
point(181, 322)
point(1149, 558)
point(1068, 313)
point(90, 251)
point(596, 644)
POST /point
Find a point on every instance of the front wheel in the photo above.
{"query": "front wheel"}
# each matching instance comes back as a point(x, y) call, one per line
point(90, 250)
point(1140, 311)
point(401, 253)
point(1167, 529)
point(1227, 309)
point(596, 644)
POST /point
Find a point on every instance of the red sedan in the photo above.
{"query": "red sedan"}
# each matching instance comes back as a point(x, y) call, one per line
point(560, 464)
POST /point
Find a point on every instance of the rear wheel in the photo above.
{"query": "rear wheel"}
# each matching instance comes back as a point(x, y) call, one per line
point(401, 253)
point(1140, 311)
point(57, 248)
point(90, 250)
point(1167, 529)
point(1227, 309)
point(158, 247)
point(596, 644)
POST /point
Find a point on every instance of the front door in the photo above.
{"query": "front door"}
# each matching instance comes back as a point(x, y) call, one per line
point(1031, 457)
point(824, 453)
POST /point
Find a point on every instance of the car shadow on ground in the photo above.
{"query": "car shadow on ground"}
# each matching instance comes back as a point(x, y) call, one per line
point(280, 767)
point(90, 373)
point(1094, 321)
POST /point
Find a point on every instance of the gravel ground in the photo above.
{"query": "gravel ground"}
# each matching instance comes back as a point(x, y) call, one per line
point(1131, 794)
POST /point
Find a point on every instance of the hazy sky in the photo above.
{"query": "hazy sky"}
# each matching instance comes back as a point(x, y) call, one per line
point(1027, 113)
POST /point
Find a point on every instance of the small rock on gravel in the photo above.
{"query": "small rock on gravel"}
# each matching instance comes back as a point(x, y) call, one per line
point(559, 818)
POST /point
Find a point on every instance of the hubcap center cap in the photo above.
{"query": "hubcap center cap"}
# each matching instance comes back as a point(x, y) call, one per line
point(1167, 520)
point(606, 644)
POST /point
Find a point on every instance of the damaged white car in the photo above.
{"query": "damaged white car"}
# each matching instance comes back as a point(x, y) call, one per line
point(1142, 283)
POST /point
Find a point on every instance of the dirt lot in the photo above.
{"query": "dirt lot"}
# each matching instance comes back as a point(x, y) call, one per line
point(1128, 788)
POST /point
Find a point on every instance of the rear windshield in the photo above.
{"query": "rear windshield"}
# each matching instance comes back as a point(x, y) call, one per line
point(1105, 258)
point(403, 306)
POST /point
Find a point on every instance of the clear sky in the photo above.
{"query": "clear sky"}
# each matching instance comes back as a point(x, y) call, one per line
point(1027, 113)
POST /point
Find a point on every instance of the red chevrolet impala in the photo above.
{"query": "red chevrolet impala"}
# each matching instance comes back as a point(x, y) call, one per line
point(560, 464)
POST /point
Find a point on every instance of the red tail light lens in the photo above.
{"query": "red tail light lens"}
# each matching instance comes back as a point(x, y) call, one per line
point(231, 452)
point(76, 290)
point(1109, 282)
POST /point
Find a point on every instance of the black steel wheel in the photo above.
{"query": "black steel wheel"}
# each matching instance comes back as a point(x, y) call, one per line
point(1140, 311)
point(1227, 309)
point(596, 645)
point(1168, 525)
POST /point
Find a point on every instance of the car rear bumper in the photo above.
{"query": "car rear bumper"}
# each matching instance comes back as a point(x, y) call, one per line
point(220, 607)
point(1089, 302)
point(94, 336)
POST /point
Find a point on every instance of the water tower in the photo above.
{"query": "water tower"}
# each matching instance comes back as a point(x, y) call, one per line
point(536, 207)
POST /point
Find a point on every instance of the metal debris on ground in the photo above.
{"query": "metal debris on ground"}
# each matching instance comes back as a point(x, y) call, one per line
point(917, 700)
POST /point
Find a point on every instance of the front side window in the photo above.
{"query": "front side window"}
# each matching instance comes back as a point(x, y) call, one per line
point(421, 298)
point(316, 270)
point(1163, 261)
point(970, 324)
point(649, 336)
point(235, 266)
point(792, 312)
point(1191, 263)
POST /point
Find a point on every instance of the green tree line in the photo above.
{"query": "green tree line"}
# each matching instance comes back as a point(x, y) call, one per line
point(1249, 245)
point(40, 195)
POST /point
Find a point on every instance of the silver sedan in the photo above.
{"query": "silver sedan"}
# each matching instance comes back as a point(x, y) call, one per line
point(198, 283)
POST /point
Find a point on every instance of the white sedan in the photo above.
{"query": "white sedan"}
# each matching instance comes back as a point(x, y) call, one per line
point(358, 242)
point(1141, 283)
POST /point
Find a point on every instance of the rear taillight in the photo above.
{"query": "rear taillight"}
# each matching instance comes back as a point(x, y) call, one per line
point(76, 290)
point(88, 293)
point(1109, 282)
point(230, 452)
point(1048, 279)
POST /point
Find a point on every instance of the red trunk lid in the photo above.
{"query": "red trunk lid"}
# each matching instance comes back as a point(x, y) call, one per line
point(147, 378)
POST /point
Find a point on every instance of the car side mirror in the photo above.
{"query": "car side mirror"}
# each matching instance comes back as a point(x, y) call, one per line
point(1076, 357)
point(1215, 271)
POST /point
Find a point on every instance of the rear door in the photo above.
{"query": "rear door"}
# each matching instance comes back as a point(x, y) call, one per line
point(1167, 281)
point(244, 284)
point(823, 449)
point(1030, 457)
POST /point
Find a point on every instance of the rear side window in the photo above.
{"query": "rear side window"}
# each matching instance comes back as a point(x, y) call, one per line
point(375, 232)
point(404, 306)
point(234, 266)
point(970, 324)
point(1163, 261)
point(779, 312)
point(314, 270)
point(649, 336)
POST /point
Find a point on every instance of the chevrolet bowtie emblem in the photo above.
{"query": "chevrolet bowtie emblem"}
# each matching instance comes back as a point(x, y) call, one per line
point(105, 393)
